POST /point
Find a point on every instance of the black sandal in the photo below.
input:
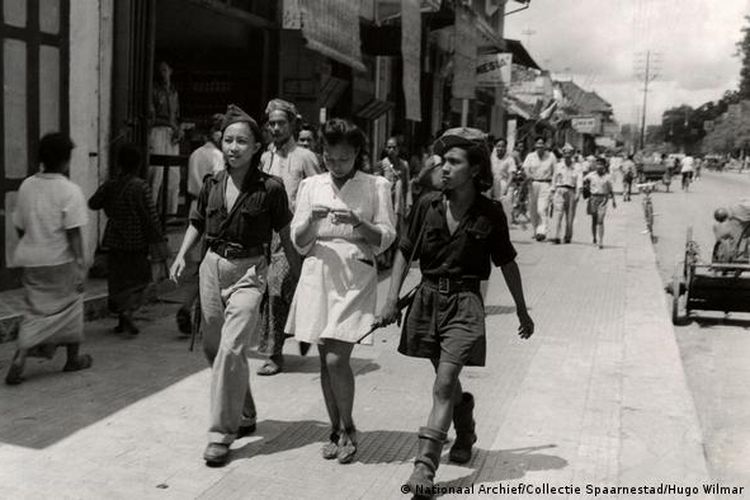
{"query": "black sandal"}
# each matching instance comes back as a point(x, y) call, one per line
point(83, 362)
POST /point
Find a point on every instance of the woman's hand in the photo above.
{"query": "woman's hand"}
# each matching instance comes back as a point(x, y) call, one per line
point(178, 266)
point(526, 329)
point(389, 314)
point(345, 216)
point(319, 212)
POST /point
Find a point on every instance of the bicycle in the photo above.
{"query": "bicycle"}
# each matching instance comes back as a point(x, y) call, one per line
point(648, 205)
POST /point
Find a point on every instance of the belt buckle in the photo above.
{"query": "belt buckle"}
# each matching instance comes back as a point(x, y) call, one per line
point(444, 285)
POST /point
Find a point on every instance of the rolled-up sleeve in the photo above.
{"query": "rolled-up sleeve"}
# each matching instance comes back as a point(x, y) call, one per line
point(301, 214)
point(384, 218)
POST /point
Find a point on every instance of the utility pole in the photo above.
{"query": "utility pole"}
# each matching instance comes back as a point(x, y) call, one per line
point(649, 75)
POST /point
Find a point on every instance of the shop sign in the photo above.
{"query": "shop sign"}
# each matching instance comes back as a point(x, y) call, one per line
point(585, 124)
point(494, 69)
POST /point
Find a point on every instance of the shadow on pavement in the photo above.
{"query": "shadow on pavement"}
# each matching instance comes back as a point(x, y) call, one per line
point(50, 405)
point(493, 466)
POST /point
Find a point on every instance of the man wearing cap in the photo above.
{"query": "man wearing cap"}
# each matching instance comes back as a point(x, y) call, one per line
point(292, 163)
point(539, 166)
point(568, 183)
point(237, 211)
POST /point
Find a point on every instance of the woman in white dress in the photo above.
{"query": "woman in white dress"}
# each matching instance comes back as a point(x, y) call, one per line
point(343, 219)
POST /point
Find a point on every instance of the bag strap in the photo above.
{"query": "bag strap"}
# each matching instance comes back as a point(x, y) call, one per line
point(413, 252)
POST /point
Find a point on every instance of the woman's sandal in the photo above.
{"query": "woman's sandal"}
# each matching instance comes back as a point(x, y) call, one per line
point(81, 363)
point(330, 450)
point(348, 450)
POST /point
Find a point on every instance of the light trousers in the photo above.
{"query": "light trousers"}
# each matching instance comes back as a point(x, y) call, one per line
point(563, 205)
point(539, 198)
point(231, 292)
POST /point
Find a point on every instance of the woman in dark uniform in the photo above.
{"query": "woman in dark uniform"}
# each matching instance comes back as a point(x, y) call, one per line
point(236, 211)
point(463, 232)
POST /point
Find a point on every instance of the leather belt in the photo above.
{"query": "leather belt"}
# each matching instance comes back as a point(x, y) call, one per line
point(567, 187)
point(446, 285)
point(236, 251)
point(542, 180)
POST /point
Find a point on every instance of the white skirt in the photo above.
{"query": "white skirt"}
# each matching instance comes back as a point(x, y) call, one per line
point(336, 295)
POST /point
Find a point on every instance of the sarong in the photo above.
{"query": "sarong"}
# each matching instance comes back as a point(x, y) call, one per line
point(129, 276)
point(54, 306)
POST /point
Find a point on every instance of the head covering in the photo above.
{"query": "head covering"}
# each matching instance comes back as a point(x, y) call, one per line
point(282, 105)
point(567, 148)
point(475, 141)
point(235, 115)
point(459, 136)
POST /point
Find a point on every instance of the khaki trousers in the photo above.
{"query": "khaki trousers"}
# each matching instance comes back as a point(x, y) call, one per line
point(231, 292)
point(563, 205)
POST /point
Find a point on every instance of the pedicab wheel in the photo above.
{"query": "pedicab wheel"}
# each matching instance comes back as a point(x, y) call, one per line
point(676, 318)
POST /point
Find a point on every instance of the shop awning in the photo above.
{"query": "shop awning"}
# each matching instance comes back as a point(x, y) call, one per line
point(331, 27)
point(374, 109)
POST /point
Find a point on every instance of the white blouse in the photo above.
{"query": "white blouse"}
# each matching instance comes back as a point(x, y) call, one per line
point(369, 196)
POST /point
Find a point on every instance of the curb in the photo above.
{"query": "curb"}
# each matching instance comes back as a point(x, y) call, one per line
point(660, 431)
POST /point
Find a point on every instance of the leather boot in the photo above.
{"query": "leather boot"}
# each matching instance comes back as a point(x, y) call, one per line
point(421, 481)
point(463, 421)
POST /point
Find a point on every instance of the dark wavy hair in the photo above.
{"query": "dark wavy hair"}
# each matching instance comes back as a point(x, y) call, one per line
point(338, 131)
point(479, 155)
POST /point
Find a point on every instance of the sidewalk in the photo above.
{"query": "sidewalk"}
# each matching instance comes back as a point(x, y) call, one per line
point(598, 396)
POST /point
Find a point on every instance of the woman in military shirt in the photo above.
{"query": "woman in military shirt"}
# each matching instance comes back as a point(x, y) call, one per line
point(463, 232)
point(236, 211)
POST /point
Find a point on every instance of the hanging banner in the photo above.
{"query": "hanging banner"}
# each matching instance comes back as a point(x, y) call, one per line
point(494, 69)
point(331, 27)
point(411, 47)
point(465, 55)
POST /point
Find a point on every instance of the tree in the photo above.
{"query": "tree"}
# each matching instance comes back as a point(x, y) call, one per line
point(743, 51)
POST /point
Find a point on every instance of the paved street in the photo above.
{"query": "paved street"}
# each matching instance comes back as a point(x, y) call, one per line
point(598, 396)
point(714, 352)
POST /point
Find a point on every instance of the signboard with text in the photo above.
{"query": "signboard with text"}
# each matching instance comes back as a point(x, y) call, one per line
point(494, 69)
point(585, 124)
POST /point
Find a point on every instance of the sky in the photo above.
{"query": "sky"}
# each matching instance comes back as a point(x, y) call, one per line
point(602, 46)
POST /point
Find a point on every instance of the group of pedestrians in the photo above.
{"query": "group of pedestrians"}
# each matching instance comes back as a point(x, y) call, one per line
point(289, 247)
point(555, 187)
point(279, 215)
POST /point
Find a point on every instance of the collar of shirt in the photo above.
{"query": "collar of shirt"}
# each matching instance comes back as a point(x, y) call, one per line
point(357, 177)
point(284, 149)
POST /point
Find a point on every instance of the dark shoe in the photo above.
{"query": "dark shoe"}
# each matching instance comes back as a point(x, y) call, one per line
point(347, 447)
point(422, 478)
point(14, 375)
point(566, 240)
point(463, 421)
point(541, 237)
point(330, 450)
point(269, 368)
point(184, 325)
point(216, 454)
point(556, 241)
point(82, 362)
point(304, 348)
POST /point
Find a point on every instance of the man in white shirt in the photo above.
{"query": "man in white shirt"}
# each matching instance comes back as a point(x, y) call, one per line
point(292, 163)
point(503, 166)
point(568, 183)
point(687, 171)
point(539, 166)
